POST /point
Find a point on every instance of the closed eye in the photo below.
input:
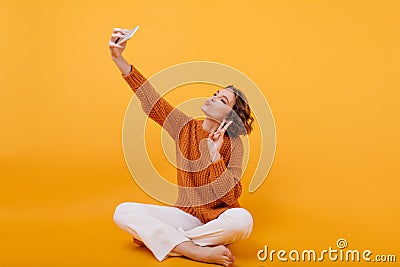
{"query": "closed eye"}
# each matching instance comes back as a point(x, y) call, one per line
point(222, 98)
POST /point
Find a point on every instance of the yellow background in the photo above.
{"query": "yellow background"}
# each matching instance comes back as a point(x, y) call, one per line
point(329, 70)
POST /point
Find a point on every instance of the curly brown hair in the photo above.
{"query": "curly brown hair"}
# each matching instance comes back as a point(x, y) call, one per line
point(240, 114)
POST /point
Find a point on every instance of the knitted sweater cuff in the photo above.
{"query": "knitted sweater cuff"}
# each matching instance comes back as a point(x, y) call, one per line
point(135, 79)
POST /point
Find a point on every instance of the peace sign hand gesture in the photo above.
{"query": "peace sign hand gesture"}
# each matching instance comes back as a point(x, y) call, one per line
point(215, 140)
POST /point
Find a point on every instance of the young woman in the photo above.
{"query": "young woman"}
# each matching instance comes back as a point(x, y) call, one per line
point(207, 215)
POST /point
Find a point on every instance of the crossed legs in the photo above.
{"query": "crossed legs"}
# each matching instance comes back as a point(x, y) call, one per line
point(168, 231)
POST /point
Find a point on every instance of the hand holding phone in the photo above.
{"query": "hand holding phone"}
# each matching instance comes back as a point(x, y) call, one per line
point(128, 36)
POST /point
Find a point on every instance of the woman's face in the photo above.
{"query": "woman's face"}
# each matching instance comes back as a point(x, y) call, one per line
point(219, 105)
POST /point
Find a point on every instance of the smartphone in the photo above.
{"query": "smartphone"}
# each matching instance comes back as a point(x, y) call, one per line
point(128, 36)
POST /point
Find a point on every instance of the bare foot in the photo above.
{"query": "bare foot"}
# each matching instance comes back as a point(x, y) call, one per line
point(218, 255)
point(138, 242)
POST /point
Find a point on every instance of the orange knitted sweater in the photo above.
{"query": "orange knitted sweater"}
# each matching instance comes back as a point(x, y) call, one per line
point(206, 189)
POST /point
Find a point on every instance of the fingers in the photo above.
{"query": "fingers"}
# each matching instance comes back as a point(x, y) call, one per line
point(112, 44)
point(119, 30)
point(227, 125)
point(216, 135)
point(220, 131)
point(118, 33)
point(222, 128)
point(222, 124)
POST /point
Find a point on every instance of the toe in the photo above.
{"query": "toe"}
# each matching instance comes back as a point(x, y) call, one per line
point(229, 254)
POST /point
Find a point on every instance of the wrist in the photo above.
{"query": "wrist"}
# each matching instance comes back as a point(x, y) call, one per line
point(216, 157)
point(117, 58)
point(123, 65)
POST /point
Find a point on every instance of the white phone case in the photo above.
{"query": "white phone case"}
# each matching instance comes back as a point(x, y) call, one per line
point(128, 36)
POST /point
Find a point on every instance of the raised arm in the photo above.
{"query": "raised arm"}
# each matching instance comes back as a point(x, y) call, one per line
point(156, 107)
point(117, 50)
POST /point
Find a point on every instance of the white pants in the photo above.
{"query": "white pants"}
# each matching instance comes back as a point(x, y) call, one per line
point(161, 228)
